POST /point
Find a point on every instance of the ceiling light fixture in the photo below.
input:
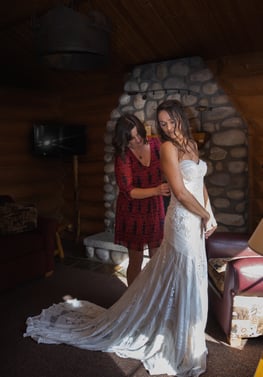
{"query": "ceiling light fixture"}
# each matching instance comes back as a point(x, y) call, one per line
point(167, 91)
point(70, 40)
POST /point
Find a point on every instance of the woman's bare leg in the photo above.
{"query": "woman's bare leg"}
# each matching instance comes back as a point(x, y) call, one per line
point(135, 265)
point(152, 251)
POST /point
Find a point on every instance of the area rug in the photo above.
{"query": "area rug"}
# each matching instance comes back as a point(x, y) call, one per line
point(22, 357)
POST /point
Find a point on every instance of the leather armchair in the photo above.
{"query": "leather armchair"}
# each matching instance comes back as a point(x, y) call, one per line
point(237, 302)
point(27, 255)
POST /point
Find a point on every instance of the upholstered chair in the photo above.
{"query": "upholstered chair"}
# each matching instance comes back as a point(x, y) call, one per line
point(235, 286)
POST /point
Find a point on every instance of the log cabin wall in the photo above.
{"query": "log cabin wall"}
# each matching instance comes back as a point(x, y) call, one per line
point(92, 110)
point(241, 77)
point(26, 178)
point(49, 182)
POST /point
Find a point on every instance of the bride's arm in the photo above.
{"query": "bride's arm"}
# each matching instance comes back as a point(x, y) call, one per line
point(211, 224)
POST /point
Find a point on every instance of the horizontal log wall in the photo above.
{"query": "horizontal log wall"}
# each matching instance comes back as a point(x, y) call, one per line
point(49, 182)
point(25, 177)
point(94, 112)
point(241, 77)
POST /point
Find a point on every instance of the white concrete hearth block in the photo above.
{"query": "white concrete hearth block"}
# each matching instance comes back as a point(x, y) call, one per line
point(103, 255)
point(90, 252)
point(101, 247)
point(118, 257)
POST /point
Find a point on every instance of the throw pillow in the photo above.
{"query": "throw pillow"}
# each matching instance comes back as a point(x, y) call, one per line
point(17, 218)
point(216, 271)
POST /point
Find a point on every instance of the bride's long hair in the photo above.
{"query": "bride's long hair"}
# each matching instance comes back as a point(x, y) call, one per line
point(176, 112)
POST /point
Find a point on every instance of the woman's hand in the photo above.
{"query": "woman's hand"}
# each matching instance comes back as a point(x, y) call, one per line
point(210, 231)
point(142, 193)
point(163, 189)
point(204, 220)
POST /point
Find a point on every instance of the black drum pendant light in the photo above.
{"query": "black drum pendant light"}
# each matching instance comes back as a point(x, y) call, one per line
point(69, 40)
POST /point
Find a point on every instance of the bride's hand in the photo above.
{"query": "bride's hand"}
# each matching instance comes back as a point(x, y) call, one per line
point(204, 222)
point(210, 231)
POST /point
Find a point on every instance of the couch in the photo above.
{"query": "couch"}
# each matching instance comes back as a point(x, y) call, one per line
point(235, 276)
point(26, 247)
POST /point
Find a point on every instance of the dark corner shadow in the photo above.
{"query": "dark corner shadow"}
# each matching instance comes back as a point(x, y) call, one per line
point(213, 329)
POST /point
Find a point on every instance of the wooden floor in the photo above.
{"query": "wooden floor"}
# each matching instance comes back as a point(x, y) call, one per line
point(75, 255)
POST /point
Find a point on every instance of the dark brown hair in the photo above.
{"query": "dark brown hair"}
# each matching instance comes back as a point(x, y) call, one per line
point(122, 134)
point(176, 112)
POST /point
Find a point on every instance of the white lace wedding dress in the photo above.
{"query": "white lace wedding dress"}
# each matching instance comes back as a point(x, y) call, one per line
point(161, 318)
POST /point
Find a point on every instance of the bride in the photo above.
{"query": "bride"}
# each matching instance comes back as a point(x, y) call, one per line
point(161, 318)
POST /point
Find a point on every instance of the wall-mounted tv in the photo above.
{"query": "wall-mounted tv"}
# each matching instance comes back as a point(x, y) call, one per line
point(56, 140)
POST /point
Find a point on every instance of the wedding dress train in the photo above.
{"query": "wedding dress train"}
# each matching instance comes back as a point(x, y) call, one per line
point(161, 318)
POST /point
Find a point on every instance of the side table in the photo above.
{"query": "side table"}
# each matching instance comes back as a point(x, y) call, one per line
point(59, 250)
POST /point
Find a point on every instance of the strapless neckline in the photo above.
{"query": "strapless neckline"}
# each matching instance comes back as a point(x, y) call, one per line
point(188, 160)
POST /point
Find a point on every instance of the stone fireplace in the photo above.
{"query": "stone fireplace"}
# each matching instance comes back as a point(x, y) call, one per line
point(210, 111)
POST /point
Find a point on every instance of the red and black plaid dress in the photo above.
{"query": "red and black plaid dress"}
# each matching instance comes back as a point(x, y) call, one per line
point(139, 222)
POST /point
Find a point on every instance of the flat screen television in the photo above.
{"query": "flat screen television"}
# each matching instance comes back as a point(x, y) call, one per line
point(56, 140)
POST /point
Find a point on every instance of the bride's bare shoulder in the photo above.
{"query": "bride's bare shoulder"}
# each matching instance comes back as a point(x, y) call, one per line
point(168, 146)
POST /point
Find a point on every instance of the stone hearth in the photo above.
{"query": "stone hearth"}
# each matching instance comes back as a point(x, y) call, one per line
point(100, 247)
